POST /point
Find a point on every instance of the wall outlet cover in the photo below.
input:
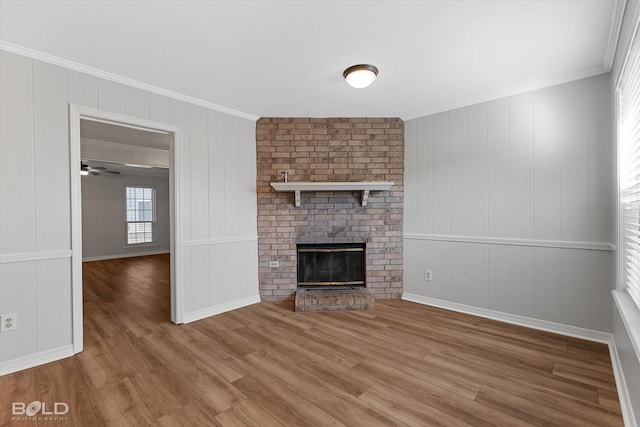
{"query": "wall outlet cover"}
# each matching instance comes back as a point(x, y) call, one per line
point(8, 322)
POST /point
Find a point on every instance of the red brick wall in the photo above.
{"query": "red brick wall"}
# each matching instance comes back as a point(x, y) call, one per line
point(333, 149)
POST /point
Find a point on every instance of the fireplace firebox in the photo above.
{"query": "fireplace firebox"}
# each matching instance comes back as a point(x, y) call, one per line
point(333, 264)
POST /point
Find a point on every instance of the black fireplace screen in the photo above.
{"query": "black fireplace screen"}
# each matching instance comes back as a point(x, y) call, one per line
point(331, 264)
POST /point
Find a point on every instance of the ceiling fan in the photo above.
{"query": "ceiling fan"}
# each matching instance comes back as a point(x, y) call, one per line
point(85, 169)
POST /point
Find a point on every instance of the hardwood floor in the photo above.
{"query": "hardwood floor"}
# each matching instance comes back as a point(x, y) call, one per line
point(401, 364)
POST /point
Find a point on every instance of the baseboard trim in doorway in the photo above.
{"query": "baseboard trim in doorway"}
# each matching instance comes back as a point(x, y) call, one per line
point(36, 359)
point(127, 255)
point(220, 308)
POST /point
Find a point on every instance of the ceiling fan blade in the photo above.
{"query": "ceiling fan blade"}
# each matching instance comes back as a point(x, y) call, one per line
point(114, 172)
point(94, 173)
point(98, 168)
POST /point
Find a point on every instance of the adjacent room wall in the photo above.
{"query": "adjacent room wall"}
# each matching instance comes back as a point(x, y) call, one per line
point(104, 216)
point(528, 179)
point(217, 202)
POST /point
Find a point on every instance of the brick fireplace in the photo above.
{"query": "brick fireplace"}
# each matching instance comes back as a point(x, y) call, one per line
point(320, 150)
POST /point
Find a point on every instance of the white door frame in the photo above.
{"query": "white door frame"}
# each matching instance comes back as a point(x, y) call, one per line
point(76, 113)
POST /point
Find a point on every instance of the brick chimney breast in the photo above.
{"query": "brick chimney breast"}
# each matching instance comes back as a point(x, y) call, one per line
point(330, 149)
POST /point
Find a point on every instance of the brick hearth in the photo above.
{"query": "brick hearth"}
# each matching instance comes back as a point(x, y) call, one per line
point(333, 299)
point(332, 149)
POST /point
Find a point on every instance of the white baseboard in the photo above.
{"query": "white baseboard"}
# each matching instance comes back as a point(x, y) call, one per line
point(37, 359)
point(543, 325)
point(127, 255)
point(220, 308)
point(621, 385)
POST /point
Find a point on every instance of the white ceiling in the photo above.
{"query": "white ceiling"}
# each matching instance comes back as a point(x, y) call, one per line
point(285, 58)
point(124, 170)
point(124, 135)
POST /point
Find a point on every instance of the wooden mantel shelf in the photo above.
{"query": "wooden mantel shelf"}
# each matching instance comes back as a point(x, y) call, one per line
point(365, 187)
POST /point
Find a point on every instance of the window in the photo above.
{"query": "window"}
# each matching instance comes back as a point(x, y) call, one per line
point(628, 97)
point(141, 215)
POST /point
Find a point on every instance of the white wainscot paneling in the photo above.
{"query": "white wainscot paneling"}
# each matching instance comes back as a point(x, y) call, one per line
point(159, 108)
point(233, 171)
point(217, 173)
point(425, 262)
point(546, 161)
point(458, 194)
point(53, 302)
point(82, 89)
point(18, 295)
point(440, 175)
point(459, 264)
point(548, 276)
point(111, 96)
point(521, 166)
point(498, 167)
point(234, 270)
point(410, 211)
point(601, 269)
point(525, 185)
point(574, 164)
point(137, 102)
point(522, 276)
point(574, 297)
point(199, 171)
point(180, 117)
point(499, 278)
point(218, 279)
point(422, 162)
point(17, 210)
point(250, 269)
point(441, 271)
point(479, 275)
point(247, 181)
point(477, 170)
point(602, 183)
point(51, 157)
point(410, 266)
point(187, 277)
point(200, 259)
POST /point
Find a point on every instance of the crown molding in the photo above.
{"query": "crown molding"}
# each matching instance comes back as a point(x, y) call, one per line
point(75, 66)
point(614, 33)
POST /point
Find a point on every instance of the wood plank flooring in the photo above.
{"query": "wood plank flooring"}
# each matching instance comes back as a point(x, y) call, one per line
point(401, 364)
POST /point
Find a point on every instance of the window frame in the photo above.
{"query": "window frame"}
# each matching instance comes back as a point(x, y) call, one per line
point(154, 221)
point(628, 309)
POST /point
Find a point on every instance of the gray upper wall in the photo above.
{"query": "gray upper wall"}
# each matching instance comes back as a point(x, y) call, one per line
point(104, 216)
point(514, 174)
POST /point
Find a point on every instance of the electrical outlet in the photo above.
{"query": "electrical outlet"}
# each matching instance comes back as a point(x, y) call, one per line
point(428, 275)
point(8, 322)
point(274, 264)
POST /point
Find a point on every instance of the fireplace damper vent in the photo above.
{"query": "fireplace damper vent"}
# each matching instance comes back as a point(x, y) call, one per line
point(335, 264)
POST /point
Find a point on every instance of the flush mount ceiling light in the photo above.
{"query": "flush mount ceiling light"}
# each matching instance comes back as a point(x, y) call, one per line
point(361, 75)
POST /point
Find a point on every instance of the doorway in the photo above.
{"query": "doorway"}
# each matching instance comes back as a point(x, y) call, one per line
point(80, 117)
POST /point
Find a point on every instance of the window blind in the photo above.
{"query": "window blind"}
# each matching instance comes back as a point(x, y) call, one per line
point(628, 96)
